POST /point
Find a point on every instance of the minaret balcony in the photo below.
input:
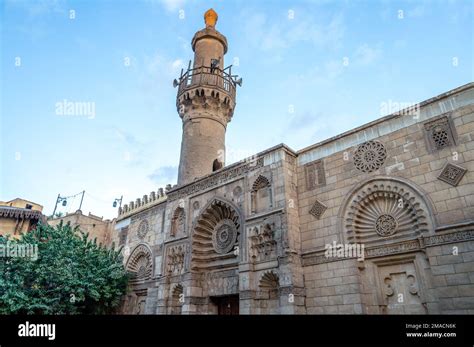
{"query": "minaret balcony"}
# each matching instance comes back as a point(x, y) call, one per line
point(208, 77)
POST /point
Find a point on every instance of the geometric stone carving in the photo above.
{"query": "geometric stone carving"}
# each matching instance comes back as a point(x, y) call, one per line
point(452, 174)
point(315, 175)
point(140, 263)
point(142, 229)
point(385, 225)
point(385, 208)
point(176, 256)
point(439, 134)
point(370, 156)
point(263, 243)
point(224, 236)
point(400, 281)
point(318, 209)
point(215, 236)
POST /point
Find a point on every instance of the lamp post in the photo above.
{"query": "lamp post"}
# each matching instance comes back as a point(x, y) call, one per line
point(58, 200)
point(118, 200)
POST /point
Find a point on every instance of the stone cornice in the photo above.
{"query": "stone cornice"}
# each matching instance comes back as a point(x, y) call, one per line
point(316, 257)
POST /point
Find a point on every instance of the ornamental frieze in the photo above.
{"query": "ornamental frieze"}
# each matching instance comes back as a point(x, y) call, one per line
point(408, 246)
point(215, 180)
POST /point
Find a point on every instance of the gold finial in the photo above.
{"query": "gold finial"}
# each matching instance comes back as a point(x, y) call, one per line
point(210, 18)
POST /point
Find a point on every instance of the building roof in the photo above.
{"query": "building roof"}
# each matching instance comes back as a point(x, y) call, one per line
point(17, 212)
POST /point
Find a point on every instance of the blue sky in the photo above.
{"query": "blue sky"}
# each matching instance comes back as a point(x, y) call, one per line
point(311, 70)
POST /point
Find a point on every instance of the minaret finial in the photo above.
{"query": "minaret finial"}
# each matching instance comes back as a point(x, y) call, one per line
point(210, 18)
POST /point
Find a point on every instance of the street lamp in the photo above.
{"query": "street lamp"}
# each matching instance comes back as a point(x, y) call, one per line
point(118, 200)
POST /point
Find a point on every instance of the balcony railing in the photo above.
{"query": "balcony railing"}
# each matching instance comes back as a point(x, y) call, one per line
point(207, 76)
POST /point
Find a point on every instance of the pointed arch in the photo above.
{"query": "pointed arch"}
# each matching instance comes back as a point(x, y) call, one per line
point(140, 263)
point(260, 182)
point(261, 195)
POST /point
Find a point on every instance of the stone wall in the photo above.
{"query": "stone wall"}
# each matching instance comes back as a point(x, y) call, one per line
point(95, 226)
point(385, 186)
point(410, 166)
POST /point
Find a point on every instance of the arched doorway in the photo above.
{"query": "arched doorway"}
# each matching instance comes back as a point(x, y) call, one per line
point(215, 256)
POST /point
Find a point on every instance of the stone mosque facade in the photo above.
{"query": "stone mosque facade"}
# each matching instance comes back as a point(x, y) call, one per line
point(255, 237)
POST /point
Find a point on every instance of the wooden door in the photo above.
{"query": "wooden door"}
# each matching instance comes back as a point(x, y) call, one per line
point(228, 305)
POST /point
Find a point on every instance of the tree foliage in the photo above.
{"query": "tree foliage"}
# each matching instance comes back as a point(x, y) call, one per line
point(71, 275)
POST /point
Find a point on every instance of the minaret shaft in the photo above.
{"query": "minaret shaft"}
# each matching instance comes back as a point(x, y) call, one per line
point(205, 102)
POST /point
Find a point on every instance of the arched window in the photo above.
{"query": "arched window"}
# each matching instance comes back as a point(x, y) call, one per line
point(261, 198)
point(217, 165)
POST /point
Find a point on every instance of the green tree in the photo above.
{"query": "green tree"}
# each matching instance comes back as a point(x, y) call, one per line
point(71, 275)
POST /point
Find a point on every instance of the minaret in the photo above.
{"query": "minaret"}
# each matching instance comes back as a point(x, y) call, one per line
point(205, 102)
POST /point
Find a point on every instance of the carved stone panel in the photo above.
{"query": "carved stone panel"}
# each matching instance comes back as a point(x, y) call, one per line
point(439, 133)
point(140, 263)
point(175, 258)
point(400, 289)
point(317, 209)
point(222, 283)
point(452, 174)
point(315, 174)
point(370, 156)
point(263, 245)
point(385, 210)
point(143, 228)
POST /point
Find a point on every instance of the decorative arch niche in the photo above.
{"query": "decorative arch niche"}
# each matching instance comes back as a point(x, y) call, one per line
point(270, 282)
point(177, 221)
point(140, 264)
point(385, 209)
point(261, 195)
point(176, 306)
point(269, 288)
point(216, 236)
